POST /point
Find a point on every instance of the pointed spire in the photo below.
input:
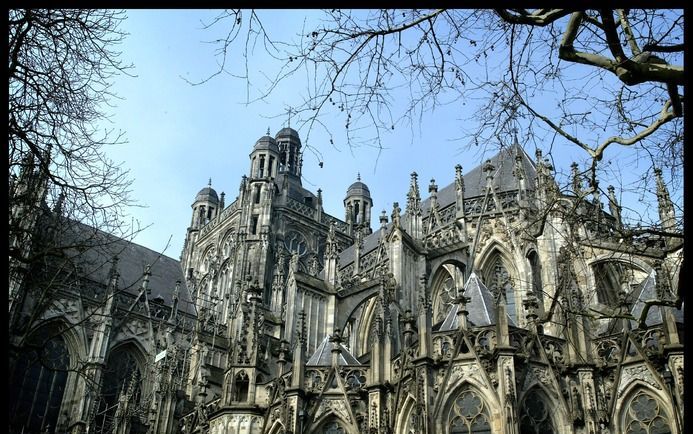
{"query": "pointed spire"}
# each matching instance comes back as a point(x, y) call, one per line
point(413, 196)
point(614, 207)
point(383, 219)
point(577, 179)
point(459, 192)
point(488, 168)
point(414, 220)
point(145, 281)
point(58, 208)
point(396, 211)
point(666, 207)
point(113, 274)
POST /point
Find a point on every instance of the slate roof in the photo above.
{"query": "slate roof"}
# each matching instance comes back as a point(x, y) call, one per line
point(481, 307)
point(207, 194)
point(296, 190)
point(266, 143)
point(323, 355)
point(646, 290)
point(474, 182)
point(96, 260)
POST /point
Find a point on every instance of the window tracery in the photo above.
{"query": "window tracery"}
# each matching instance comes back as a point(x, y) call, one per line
point(469, 414)
point(535, 415)
point(644, 415)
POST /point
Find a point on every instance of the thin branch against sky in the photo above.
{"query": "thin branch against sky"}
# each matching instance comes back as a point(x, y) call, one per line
point(180, 135)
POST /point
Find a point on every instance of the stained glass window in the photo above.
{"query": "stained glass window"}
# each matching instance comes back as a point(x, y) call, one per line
point(38, 383)
point(644, 415)
point(469, 415)
point(333, 427)
point(535, 415)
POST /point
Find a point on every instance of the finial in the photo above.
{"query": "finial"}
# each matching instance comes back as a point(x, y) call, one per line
point(358, 176)
point(268, 131)
point(210, 182)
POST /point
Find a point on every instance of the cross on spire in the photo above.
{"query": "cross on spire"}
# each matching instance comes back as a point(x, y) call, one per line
point(289, 111)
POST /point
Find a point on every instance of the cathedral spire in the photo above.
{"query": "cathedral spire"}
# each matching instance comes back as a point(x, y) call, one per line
point(414, 225)
point(614, 207)
point(666, 206)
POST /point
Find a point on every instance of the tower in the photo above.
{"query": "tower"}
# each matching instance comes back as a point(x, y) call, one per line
point(205, 206)
point(358, 204)
point(290, 158)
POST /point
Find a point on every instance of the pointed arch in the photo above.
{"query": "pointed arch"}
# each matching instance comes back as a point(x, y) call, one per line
point(123, 374)
point(477, 405)
point(644, 410)
point(500, 274)
point(538, 413)
point(277, 428)
point(43, 372)
point(445, 283)
point(364, 325)
point(331, 423)
point(466, 412)
point(404, 423)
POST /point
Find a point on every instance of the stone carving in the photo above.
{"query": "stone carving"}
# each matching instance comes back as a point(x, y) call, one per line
point(633, 373)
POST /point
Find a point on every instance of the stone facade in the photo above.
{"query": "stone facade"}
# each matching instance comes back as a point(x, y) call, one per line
point(498, 304)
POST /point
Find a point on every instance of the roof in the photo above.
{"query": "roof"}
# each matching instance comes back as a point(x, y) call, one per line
point(358, 188)
point(646, 290)
point(475, 179)
point(266, 143)
point(95, 262)
point(288, 132)
point(323, 355)
point(207, 194)
point(474, 182)
point(481, 308)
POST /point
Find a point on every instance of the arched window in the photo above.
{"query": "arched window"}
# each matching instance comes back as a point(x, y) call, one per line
point(445, 287)
point(38, 383)
point(121, 375)
point(499, 281)
point(535, 415)
point(469, 414)
point(241, 386)
point(612, 277)
point(644, 415)
point(331, 427)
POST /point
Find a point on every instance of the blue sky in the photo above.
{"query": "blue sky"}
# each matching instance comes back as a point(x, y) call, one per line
point(181, 135)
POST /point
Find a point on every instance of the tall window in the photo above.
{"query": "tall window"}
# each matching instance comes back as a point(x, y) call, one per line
point(121, 375)
point(469, 414)
point(535, 416)
point(261, 168)
point(644, 415)
point(38, 383)
point(500, 283)
point(447, 285)
point(332, 427)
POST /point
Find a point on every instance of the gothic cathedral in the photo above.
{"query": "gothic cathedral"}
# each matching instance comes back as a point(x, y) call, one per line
point(497, 304)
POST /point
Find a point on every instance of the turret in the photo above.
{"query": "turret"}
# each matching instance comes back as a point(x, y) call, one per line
point(264, 159)
point(290, 158)
point(205, 207)
point(358, 197)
